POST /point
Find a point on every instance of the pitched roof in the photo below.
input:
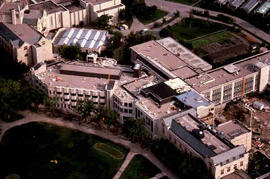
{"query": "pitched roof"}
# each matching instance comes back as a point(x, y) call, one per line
point(229, 155)
point(19, 34)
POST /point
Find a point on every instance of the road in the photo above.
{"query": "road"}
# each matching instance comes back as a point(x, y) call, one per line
point(134, 148)
point(185, 9)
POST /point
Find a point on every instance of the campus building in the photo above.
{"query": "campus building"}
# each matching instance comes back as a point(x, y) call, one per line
point(193, 136)
point(24, 44)
point(72, 82)
point(219, 85)
point(49, 15)
point(172, 90)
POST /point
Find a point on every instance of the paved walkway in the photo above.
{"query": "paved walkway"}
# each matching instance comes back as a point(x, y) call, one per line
point(124, 165)
point(134, 148)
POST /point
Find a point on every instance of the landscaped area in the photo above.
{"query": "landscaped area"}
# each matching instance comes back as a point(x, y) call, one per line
point(258, 165)
point(152, 16)
point(39, 150)
point(140, 168)
point(217, 37)
point(109, 150)
point(190, 28)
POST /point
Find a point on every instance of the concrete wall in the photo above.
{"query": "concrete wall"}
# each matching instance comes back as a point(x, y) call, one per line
point(77, 17)
point(239, 164)
point(25, 55)
point(42, 51)
point(244, 139)
point(264, 75)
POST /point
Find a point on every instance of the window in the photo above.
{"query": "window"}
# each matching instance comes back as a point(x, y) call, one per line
point(130, 104)
point(222, 172)
point(126, 104)
point(241, 163)
point(130, 111)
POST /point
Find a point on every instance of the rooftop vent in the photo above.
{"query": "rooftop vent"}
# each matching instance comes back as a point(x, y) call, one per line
point(252, 68)
point(231, 69)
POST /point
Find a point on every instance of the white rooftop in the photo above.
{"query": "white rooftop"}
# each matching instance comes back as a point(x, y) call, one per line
point(86, 38)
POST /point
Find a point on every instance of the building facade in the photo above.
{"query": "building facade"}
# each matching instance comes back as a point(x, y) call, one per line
point(25, 44)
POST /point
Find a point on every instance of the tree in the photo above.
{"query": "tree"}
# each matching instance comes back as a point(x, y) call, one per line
point(125, 14)
point(177, 14)
point(183, 164)
point(102, 22)
point(50, 104)
point(135, 130)
point(71, 52)
point(85, 108)
point(109, 117)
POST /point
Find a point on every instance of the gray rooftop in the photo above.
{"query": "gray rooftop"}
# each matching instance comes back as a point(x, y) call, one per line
point(221, 76)
point(19, 34)
point(193, 99)
point(185, 135)
point(49, 6)
point(232, 129)
point(229, 155)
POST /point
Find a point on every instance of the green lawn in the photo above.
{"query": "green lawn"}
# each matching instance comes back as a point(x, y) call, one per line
point(188, 2)
point(189, 29)
point(219, 37)
point(39, 150)
point(108, 149)
point(157, 14)
point(140, 168)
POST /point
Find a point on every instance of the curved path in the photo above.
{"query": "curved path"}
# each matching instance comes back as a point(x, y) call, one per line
point(185, 9)
point(134, 148)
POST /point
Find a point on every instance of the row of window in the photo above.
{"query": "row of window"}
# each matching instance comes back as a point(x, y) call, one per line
point(238, 90)
point(117, 101)
point(229, 168)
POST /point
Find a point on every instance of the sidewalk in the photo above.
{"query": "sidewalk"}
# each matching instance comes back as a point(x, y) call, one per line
point(134, 148)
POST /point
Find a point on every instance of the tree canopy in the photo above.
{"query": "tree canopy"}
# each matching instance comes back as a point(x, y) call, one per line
point(71, 52)
point(102, 22)
point(183, 164)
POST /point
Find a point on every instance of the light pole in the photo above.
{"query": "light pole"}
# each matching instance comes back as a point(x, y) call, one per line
point(251, 116)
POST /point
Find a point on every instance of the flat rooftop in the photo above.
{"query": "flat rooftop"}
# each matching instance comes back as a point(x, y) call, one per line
point(193, 99)
point(53, 78)
point(194, 61)
point(157, 111)
point(220, 76)
point(190, 124)
point(137, 85)
point(90, 71)
point(232, 129)
point(48, 6)
point(172, 58)
point(159, 54)
point(75, 6)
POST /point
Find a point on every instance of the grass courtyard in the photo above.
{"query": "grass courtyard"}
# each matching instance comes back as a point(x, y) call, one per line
point(140, 168)
point(218, 37)
point(39, 150)
point(152, 16)
point(190, 28)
